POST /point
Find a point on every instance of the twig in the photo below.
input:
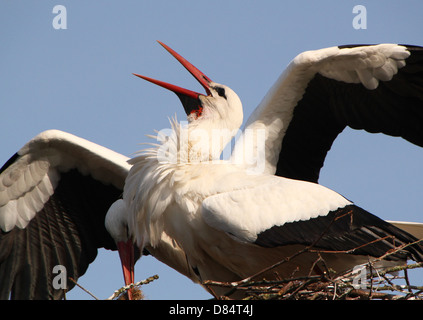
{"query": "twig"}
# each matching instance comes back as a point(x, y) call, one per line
point(371, 280)
point(76, 283)
point(395, 250)
point(407, 281)
point(353, 249)
point(397, 268)
point(257, 283)
point(118, 292)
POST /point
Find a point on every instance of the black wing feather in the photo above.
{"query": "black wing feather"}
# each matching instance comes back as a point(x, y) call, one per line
point(345, 229)
point(67, 231)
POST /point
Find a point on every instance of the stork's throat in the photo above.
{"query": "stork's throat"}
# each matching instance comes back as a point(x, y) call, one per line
point(191, 105)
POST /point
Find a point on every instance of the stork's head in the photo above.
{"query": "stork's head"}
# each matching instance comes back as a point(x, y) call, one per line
point(116, 224)
point(219, 108)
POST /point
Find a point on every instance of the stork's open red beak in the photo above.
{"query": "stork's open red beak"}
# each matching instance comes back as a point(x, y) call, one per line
point(126, 254)
point(189, 99)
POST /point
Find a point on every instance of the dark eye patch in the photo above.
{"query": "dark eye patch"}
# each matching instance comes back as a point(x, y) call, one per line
point(221, 92)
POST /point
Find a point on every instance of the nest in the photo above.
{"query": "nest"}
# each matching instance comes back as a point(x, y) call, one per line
point(361, 283)
point(364, 282)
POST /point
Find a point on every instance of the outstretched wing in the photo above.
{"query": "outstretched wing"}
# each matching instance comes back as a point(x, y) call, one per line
point(378, 88)
point(54, 195)
point(285, 212)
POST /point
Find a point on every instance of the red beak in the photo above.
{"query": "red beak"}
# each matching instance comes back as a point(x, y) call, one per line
point(189, 99)
point(126, 254)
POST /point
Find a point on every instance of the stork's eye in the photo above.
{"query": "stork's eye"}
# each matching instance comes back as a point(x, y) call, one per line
point(221, 92)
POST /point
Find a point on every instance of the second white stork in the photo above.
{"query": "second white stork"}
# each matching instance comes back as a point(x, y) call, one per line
point(231, 222)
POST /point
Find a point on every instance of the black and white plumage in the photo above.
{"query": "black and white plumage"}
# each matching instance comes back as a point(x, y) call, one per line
point(375, 88)
point(54, 195)
point(392, 108)
point(219, 221)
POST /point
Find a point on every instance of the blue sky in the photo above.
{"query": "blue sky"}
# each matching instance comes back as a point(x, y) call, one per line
point(80, 80)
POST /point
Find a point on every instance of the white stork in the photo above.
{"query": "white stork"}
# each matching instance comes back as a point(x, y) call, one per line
point(209, 219)
point(231, 221)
